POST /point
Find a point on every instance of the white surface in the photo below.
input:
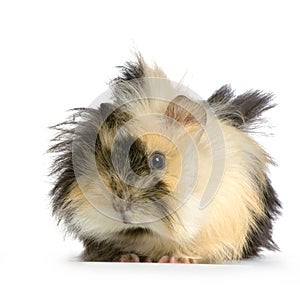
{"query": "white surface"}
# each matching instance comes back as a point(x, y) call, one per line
point(56, 55)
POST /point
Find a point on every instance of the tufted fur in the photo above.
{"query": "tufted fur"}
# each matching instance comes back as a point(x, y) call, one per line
point(236, 224)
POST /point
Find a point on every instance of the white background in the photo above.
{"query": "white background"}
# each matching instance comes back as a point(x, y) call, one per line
point(56, 55)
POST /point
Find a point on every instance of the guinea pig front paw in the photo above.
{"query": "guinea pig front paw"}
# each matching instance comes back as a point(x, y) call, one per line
point(131, 257)
point(176, 260)
point(128, 257)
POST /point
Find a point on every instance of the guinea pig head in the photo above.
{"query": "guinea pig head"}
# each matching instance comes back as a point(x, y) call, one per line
point(141, 163)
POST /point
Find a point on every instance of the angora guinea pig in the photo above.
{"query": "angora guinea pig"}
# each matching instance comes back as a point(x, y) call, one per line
point(155, 174)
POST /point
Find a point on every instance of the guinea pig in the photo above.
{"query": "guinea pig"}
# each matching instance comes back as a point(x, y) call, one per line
point(156, 174)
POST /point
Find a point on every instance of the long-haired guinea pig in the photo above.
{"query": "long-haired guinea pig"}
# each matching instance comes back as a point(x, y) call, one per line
point(156, 174)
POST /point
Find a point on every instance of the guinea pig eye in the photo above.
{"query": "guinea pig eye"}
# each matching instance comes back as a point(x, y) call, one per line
point(157, 161)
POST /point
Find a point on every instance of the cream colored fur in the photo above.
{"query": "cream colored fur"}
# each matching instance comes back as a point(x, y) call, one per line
point(214, 233)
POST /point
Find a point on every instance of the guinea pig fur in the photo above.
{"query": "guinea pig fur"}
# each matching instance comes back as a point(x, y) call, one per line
point(133, 177)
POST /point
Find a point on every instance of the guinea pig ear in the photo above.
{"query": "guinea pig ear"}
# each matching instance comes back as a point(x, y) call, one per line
point(106, 109)
point(187, 112)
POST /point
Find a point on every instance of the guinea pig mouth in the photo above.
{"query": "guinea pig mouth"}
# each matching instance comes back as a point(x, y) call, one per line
point(136, 231)
point(125, 218)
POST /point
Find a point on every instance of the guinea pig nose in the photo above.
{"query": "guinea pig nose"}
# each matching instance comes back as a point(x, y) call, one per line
point(127, 205)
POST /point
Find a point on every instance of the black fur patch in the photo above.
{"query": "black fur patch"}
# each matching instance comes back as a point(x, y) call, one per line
point(81, 134)
point(137, 154)
point(243, 110)
point(100, 251)
point(262, 237)
point(107, 250)
point(131, 70)
point(62, 169)
point(132, 73)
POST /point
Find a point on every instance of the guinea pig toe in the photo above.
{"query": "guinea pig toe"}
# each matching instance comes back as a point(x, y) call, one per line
point(176, 260)
point(128, 257)
point(185, 260)
point(164, 260)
